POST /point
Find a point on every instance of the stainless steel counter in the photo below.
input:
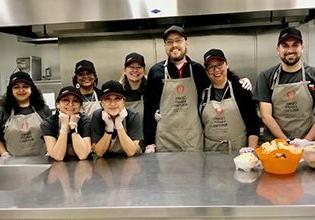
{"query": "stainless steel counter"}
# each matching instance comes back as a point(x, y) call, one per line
point(163, 186)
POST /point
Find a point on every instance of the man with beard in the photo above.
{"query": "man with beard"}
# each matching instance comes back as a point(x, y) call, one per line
point(171, 120)
point(285, 92)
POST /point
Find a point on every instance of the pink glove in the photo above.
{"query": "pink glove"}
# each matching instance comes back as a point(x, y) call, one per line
point(64, 122)
point(74, 121)
point(109, 123)
point(119, 118)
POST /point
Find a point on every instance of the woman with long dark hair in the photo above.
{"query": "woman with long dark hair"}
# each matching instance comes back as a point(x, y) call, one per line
point(23, 110)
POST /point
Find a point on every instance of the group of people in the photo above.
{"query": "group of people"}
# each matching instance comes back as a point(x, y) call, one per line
point(180, 106)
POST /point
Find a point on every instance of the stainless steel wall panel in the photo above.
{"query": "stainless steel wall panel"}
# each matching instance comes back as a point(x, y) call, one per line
point(108, 55)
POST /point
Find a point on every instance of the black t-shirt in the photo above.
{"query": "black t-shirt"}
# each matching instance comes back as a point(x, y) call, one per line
point(50, 127)
point(132, 122)
point(134, 95)
point(265, 80)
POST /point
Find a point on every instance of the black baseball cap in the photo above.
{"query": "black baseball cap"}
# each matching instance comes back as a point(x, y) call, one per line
point(84, 65)
point(213, 54)
point(290, 32)
point(174, 29)
point(21, 77)
point(69, 90)
point(112, 87)
point(134, 57)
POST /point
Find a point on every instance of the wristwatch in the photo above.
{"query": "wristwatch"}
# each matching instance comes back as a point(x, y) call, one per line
point(73, 130)
point(109, 132)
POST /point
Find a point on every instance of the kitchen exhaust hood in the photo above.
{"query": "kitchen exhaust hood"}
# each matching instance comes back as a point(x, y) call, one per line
point(44, 21)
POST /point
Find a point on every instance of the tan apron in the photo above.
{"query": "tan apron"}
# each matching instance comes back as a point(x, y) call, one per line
point(137, 106)
point(115, 145)
point(179, 128)
point(292, 107)
point(224, 127)
point(89, 106)
point(23, 135)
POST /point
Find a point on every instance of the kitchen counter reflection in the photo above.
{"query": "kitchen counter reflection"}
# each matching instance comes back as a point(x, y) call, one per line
point(157, 185)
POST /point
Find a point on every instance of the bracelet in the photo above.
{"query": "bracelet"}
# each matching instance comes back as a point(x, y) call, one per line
point(109, 132)
point(73, 130)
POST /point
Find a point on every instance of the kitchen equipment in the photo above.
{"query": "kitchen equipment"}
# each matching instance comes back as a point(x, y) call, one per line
point(31, 65)
point(280, 161)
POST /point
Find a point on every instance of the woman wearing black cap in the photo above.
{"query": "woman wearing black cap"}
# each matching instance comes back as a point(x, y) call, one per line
point(85, 79)
point(67, 133)
point(24, 109)
point(114, 128)
point(227, 110)
point(134, 81)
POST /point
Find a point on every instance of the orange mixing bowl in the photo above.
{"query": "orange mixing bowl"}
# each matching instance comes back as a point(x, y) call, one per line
point(279, 161)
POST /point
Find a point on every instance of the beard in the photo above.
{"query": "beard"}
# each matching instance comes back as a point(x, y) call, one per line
point(291, 61)
point(179, 57)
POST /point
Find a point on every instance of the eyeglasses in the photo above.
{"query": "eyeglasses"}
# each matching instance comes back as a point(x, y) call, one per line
point(218, 66)
point(134, 67)
point(67, 101)
point(170, 42)
point(109, 100)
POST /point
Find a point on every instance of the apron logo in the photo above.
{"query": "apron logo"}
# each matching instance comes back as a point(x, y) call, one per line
point(180, 89)
point(24, 126)
point(291, 94)
point(219, 110)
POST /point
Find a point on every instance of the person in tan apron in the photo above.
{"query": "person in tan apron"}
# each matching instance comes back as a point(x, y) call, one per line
point(226, 129)
point(286, 92)
point(85, 79)
point(115, 129)
point(24, 110)
point(67, 133)
point(173, 91)
point(179, 128)
point(134, 81)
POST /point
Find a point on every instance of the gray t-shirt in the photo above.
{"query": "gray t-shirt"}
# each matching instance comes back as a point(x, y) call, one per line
point(263, 89)
point(132, 121)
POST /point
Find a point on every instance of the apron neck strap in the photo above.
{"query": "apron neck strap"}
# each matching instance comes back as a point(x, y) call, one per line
point(166, 74)
point(276, 76)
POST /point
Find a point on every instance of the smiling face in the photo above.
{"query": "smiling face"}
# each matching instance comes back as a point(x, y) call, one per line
point(86, 78)
point(290, 51)
point(113, 104)
point(134, 72)
point(21, 92)
point(69, 104)
point(175, 47)
point(217, 71)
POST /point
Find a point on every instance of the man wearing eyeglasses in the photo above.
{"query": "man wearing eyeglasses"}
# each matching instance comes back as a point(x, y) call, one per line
point(286, 92)
point(171, 96)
